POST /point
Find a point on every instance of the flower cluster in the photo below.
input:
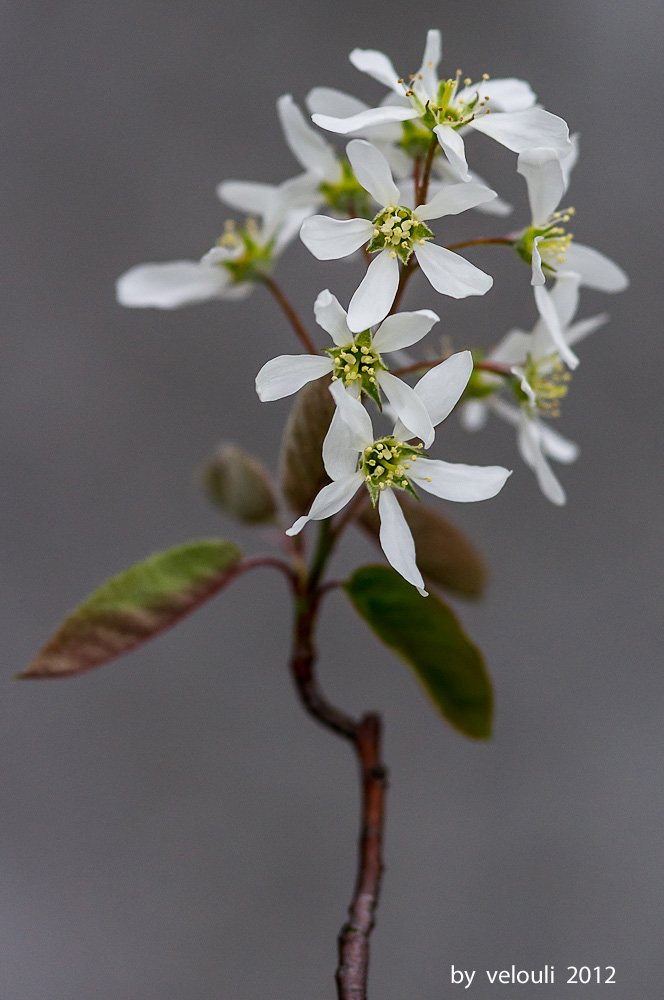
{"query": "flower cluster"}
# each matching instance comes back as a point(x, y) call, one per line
point(405, 169)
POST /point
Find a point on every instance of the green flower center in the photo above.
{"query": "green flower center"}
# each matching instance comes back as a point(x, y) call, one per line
point(398, 230)
point(356, 364)
point(387, 462)
point(549, 387)
point(347, 196)
point(552, 247)
point(445, 109)
point(254, 258)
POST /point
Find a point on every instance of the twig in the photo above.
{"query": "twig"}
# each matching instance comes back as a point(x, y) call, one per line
point(290, 312)
point(418, 366)
point(481, 242)
point(421, 193)
point(364, 735)
point(353, 942)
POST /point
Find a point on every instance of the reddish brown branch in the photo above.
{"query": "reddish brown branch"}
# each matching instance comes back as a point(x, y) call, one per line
point(353, 968)
point(291, 314)
point(364, 735)
point(481, 242)
point(422, 192)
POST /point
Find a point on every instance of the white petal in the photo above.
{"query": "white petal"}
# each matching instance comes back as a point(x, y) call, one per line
point(565, 296)
point(426, 81)
point(461, 483)
point(544, 178)
point(291, 225)
point(396, 540)
point(577, 331)
point(399, 161)
point(372, 171)
point(455, 198)
point(251, 197)
point(531, 451)
point(377, 65)
point(329, 239)
point(286, 374)
point(408, 406)
point(557, 446)
point(339, 451)
point(536, 263)
point(374, 297)
point(331, 316)
point(337, 104)
point(169, 286)
point(547, 311)
point(307, 146)
point(495, 207)
point(473, 415)
point(511, 414)
point(568, 162)
point(504, 95)
point(365, 119)
point(451, 274)
point(454, 149)
point(440, 389)
point(403, 330)
point(596, 270)
point(513, 348)
point(526, 130)
point(354, 414)
point(330, 500)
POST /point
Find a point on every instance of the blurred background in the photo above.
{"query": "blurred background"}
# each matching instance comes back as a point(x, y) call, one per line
point(172, 825)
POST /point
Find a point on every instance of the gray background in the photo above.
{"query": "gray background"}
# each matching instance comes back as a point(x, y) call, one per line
point(172, 826)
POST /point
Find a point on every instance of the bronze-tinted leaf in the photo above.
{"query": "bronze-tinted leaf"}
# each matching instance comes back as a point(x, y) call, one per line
point(237, 483)
point(135, 606)
point(444, 555)
point(427, 634)
point(301, 464)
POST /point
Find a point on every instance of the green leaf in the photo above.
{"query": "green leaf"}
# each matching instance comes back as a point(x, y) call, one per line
point(445, 556)
point(429, 637)
point(301, 468)
point(135, 606)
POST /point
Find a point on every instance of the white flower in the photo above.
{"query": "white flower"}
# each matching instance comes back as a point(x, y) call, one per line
point(534, 358)
point(356, 361)
point(394, 234)
point(353, 457)
point(241, 256)
point(389, 139)
point(545, 244)
point(502, 109)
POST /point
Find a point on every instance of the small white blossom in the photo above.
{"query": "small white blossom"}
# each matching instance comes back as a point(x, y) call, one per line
point(353, 457)
point(230, 269)
point(535, 360)
point(502, 109)
point(356, 361)
point(545, 244)
point(394, 234)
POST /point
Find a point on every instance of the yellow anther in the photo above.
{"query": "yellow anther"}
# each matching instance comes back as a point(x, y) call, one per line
point(392, 253)
point(467, 81)
point(485, 76)
point(428, 479)
point(421, 243)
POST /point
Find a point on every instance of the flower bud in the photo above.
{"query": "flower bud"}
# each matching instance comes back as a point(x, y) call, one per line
point(236, 482)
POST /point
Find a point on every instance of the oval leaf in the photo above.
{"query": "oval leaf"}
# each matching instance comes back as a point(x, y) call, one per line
point(429, 637)
point(301, 463)
point(445, 556)
point(135, 606)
